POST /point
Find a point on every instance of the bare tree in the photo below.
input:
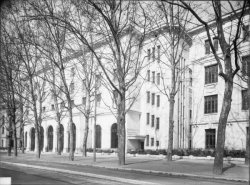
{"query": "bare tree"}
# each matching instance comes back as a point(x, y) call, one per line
point(229, 47)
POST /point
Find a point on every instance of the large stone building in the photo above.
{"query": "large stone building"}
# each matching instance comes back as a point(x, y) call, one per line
point(197, 104)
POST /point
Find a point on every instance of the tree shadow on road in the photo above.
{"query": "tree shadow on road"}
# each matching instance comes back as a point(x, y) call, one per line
point(228, 167)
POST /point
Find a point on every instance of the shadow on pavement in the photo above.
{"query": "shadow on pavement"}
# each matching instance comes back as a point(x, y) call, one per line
point(228, 167)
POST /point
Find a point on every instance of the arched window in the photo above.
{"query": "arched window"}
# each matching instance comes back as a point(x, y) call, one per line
point(114, 136)
point(98, 136)
point(32, 139)
point(50, 138)
point(41, 138)
point(61, 135)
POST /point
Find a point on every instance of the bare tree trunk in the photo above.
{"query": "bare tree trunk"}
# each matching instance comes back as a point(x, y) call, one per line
point(247, 156)
point(37, 140)
point(226, 105)
point(9, 138)
point(121, 128)
point(171, 127)
point(86, 129)
point(58, 135)
point(71, 152)
point(14, 135)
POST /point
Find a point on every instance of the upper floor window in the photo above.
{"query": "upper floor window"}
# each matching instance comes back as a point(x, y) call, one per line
point(157, 123)
point(153, 98)
point(216, 43)
point(148, 75)
point(158, 78)
point(211, 74)
point(72, 87)
point(207, 47)
point(44, 108)
point(158, 53)
point(210, 138)
point(152, 120)
point(244, 104)
point(115, 96)
point(2, 129)
point(149, 54)
point(72, 73)
point(52, 107)
point(148, 97)
point(245, 65)
point(84, 101)
point(148, 115)
point(246, 32)
point(62, 104)
point(153, 76)
point(153, 53)
point(115, 74)
point(158, 101)
point(72, 103)
point(210, 105)
point(98, 99)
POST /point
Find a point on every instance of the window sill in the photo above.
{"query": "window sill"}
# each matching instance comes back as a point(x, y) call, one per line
point(211, 114)
point(211, 84)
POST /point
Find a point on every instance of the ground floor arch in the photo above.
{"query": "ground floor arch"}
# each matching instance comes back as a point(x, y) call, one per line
point(98, 135)
point(32, 139)
point(61, 138)
point(50, 138)
point(114, 136)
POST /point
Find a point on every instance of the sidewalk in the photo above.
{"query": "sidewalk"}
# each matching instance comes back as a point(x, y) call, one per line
point(234, 170)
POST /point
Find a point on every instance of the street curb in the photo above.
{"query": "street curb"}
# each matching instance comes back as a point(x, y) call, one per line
point(72, 172)
point(171, 173)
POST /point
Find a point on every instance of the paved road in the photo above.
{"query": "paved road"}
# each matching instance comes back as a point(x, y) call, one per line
point(24, 175)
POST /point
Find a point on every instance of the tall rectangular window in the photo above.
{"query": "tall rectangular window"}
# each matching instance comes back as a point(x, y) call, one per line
point(246, 33)
point(153, 53)
point(207, 47)
point(158, 78)
point(72, 87)
point(115, 96)
point(2, 129)
point(216, 43)
point(148, 97)
point(211, 74)
point(210, 138)
point(157, 123)
point(72, 73)
point(158, 53)
point(148, 118)
point(52, 107)
point(152, 141)
point(98, 99)
point(210, 105)
point(244, 100)
point(62, 105)
point(152, 120)
point(149, 54)
point(153, 76)
point(147, 140)
point(84, 101)
point(148, 75)
point(158, 101)
point(72, 103)
point(245, 65)
point(153, 98)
